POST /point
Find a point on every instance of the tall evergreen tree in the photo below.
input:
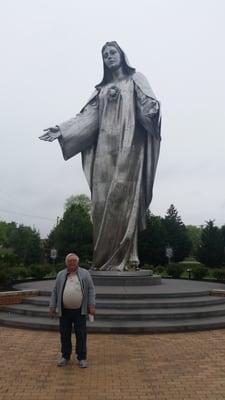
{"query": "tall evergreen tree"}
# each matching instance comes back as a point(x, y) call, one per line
point(177, 236)
point(152, 241)
point(211, 249)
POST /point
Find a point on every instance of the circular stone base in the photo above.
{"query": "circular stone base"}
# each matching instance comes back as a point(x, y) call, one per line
point(125, 278)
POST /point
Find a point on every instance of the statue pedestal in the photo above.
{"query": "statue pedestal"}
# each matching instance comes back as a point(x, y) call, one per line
point(126, 278)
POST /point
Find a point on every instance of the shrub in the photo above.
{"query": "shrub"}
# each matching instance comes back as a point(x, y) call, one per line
point(59, 267)
point(39, 271)
point(199, 272)
point(175, 270)
point(219, 274)
point(23, 272)
point(159, 270)
point(9, 275)
point(191, 265)
point(4, 279)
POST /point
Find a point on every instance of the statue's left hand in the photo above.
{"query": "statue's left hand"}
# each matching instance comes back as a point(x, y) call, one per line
point(51, 134)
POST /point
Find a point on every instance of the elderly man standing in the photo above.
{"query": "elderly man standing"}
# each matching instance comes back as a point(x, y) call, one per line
point(74, 297)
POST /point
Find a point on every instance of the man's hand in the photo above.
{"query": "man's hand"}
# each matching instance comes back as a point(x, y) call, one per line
point(51, 134)
point(52, 312)
point(91, 310)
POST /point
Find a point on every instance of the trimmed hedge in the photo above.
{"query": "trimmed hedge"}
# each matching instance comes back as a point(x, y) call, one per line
point(175, 270)
point(9, 275)
point(219, 274)
point(199, 272)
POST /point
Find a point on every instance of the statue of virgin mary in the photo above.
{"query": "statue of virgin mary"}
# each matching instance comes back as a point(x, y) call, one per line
point(118, 134)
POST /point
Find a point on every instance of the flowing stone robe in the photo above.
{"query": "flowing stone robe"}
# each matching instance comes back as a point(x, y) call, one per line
point(118, 133)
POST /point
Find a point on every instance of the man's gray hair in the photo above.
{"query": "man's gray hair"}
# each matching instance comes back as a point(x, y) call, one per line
point(69, 255)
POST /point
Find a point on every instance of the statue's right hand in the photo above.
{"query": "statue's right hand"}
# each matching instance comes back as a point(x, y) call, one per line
point(51, 134)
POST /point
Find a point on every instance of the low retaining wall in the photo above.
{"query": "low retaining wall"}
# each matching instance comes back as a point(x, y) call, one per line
point(17, 296)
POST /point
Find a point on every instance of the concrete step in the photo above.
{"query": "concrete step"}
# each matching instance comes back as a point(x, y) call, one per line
point(140, 327)
point(173, 306)
point(140, 303)
point(37, 300)
point(127, 314)
point(125, 281)
point(160, 303)
point(134, 292)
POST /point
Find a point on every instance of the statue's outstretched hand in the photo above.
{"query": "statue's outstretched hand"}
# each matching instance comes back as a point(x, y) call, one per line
point(51, 134)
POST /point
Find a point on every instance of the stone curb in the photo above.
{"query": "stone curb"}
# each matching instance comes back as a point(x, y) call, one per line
point(217, 292)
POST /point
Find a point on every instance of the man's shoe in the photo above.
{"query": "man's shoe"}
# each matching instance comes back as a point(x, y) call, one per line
point(62, 362)
point(83, 363)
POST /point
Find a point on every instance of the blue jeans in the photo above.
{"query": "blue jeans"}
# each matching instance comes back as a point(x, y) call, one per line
point(69, 319)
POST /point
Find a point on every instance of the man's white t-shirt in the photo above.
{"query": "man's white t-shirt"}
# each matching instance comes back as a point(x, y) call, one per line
point(72, 295)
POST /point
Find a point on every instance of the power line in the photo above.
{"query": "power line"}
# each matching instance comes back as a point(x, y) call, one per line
point(27, 215)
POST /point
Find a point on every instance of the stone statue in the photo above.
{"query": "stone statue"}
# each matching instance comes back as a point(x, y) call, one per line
point(118, 134)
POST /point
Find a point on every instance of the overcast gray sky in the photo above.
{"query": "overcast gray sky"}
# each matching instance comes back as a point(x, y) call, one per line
point(50, 62)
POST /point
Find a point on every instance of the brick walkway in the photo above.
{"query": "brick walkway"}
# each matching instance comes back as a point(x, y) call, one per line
point(184, 366)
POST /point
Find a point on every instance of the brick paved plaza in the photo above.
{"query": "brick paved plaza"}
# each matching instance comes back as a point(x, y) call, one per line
point(181, 366)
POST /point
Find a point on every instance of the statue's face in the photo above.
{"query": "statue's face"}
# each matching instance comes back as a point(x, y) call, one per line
point(111, 57)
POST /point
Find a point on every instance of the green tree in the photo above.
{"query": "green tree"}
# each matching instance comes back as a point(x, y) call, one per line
point(73, 232)
point(211, 249)
point(177, 236)
point(152, 241)
point(194, 234)
point(80, 199)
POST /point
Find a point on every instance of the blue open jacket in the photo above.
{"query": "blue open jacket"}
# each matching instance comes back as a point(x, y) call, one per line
point(87, 288)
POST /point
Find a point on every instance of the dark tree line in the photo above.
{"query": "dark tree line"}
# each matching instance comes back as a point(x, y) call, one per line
point(206, 244)
point(73, 233)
